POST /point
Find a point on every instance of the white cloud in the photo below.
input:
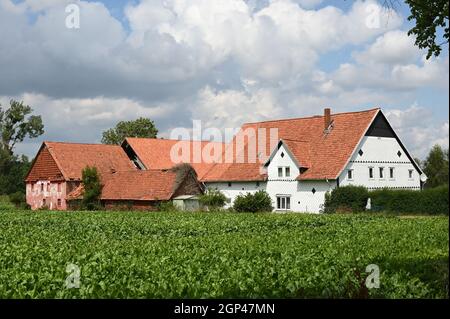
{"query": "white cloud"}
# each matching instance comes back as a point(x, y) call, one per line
point(417, 127)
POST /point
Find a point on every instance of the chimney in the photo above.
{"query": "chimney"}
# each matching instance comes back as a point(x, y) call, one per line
point(327, 118)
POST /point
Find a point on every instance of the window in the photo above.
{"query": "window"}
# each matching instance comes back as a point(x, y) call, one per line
point(48, 187)
point(288, 171)
point(391, 172)
point(257, 184)
point(350, 174)
point(44, 202)
point(229, 184)
point(59, 202)
point(42, 187)
point(381, 169)
point(410, 173)
point(370, 172)
point(283, 202)
point(280, 171)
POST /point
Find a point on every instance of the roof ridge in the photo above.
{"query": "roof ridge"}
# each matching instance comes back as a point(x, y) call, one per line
point(171, 139)
point(77, 143)
point(312, 116)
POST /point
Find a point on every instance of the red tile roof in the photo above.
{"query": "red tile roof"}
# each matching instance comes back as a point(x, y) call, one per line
point(72, 158)
point(139, 185)
point(156, 153)
point(324, 154)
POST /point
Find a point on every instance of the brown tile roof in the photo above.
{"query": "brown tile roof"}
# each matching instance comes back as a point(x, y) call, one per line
point(72, 158)
point(324, 154)
point(156, 153)
point(139, 185)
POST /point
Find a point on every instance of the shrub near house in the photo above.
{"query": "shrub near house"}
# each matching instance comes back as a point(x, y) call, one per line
point(432, 201)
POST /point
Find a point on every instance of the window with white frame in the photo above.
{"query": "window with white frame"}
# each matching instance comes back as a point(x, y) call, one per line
point(283, 202)
point(287, 171)
point(410, 174)
point(391, 173)
point(371, 172)
point(381, 171)
point(280, 171)
point(350, 174)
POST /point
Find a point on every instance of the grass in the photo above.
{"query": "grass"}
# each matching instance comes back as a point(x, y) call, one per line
point(220, 255)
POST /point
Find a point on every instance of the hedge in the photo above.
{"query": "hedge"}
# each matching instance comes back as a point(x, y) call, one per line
point(433, 201)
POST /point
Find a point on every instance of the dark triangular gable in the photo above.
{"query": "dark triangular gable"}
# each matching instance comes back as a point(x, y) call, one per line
point(380, 127)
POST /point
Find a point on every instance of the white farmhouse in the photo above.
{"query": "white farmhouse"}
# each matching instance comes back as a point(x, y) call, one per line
point(314, 155)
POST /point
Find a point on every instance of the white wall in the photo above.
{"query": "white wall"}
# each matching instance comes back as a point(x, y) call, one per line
point(380, 152)
point(236, 188)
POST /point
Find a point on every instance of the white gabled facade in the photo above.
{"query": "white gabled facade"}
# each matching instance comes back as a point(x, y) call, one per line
point(379, 160)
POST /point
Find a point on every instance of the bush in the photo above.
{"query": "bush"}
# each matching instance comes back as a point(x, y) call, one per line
point(433, 201)
point(213, 199)
point(256, 202)
point(346, 199)
point(167, 207)
point(92, 188)
point(19, 200)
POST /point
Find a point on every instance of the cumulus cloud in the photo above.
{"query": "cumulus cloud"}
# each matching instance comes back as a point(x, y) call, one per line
point(418, 128)
point(224, 61)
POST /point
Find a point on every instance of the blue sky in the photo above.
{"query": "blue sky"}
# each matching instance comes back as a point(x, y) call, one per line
point(224, 62)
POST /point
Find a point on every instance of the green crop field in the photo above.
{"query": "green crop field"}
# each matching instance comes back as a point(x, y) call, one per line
point(196, 255)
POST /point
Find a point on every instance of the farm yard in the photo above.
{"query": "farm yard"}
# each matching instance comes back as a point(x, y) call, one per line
point(221, 255)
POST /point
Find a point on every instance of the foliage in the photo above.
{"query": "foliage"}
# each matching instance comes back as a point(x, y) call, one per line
point(16, 123)
point(18, 199)
point(430, 15)
point(435, 167)
point(432, 201)
point(223, 255)
point(346, 199)
point(259, 201)
point(92, 188)
point(167, 206)
point(13, 171)
point(213, 199)
point(141, 127)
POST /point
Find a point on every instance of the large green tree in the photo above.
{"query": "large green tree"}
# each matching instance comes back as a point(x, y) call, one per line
point(435, 167)
point(17, 123)
point(142, 127)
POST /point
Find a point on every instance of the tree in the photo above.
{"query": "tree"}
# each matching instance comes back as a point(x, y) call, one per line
point(430, 15)
point(16, 124)
point(92, 188)
point(436, 167)
point(141, 127)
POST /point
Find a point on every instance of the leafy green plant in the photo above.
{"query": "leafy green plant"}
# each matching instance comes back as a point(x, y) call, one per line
point(167, 206)
point(92, 188)
point(213, 199)
point(223, 255)
point(346, 199)
point(259, 201)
